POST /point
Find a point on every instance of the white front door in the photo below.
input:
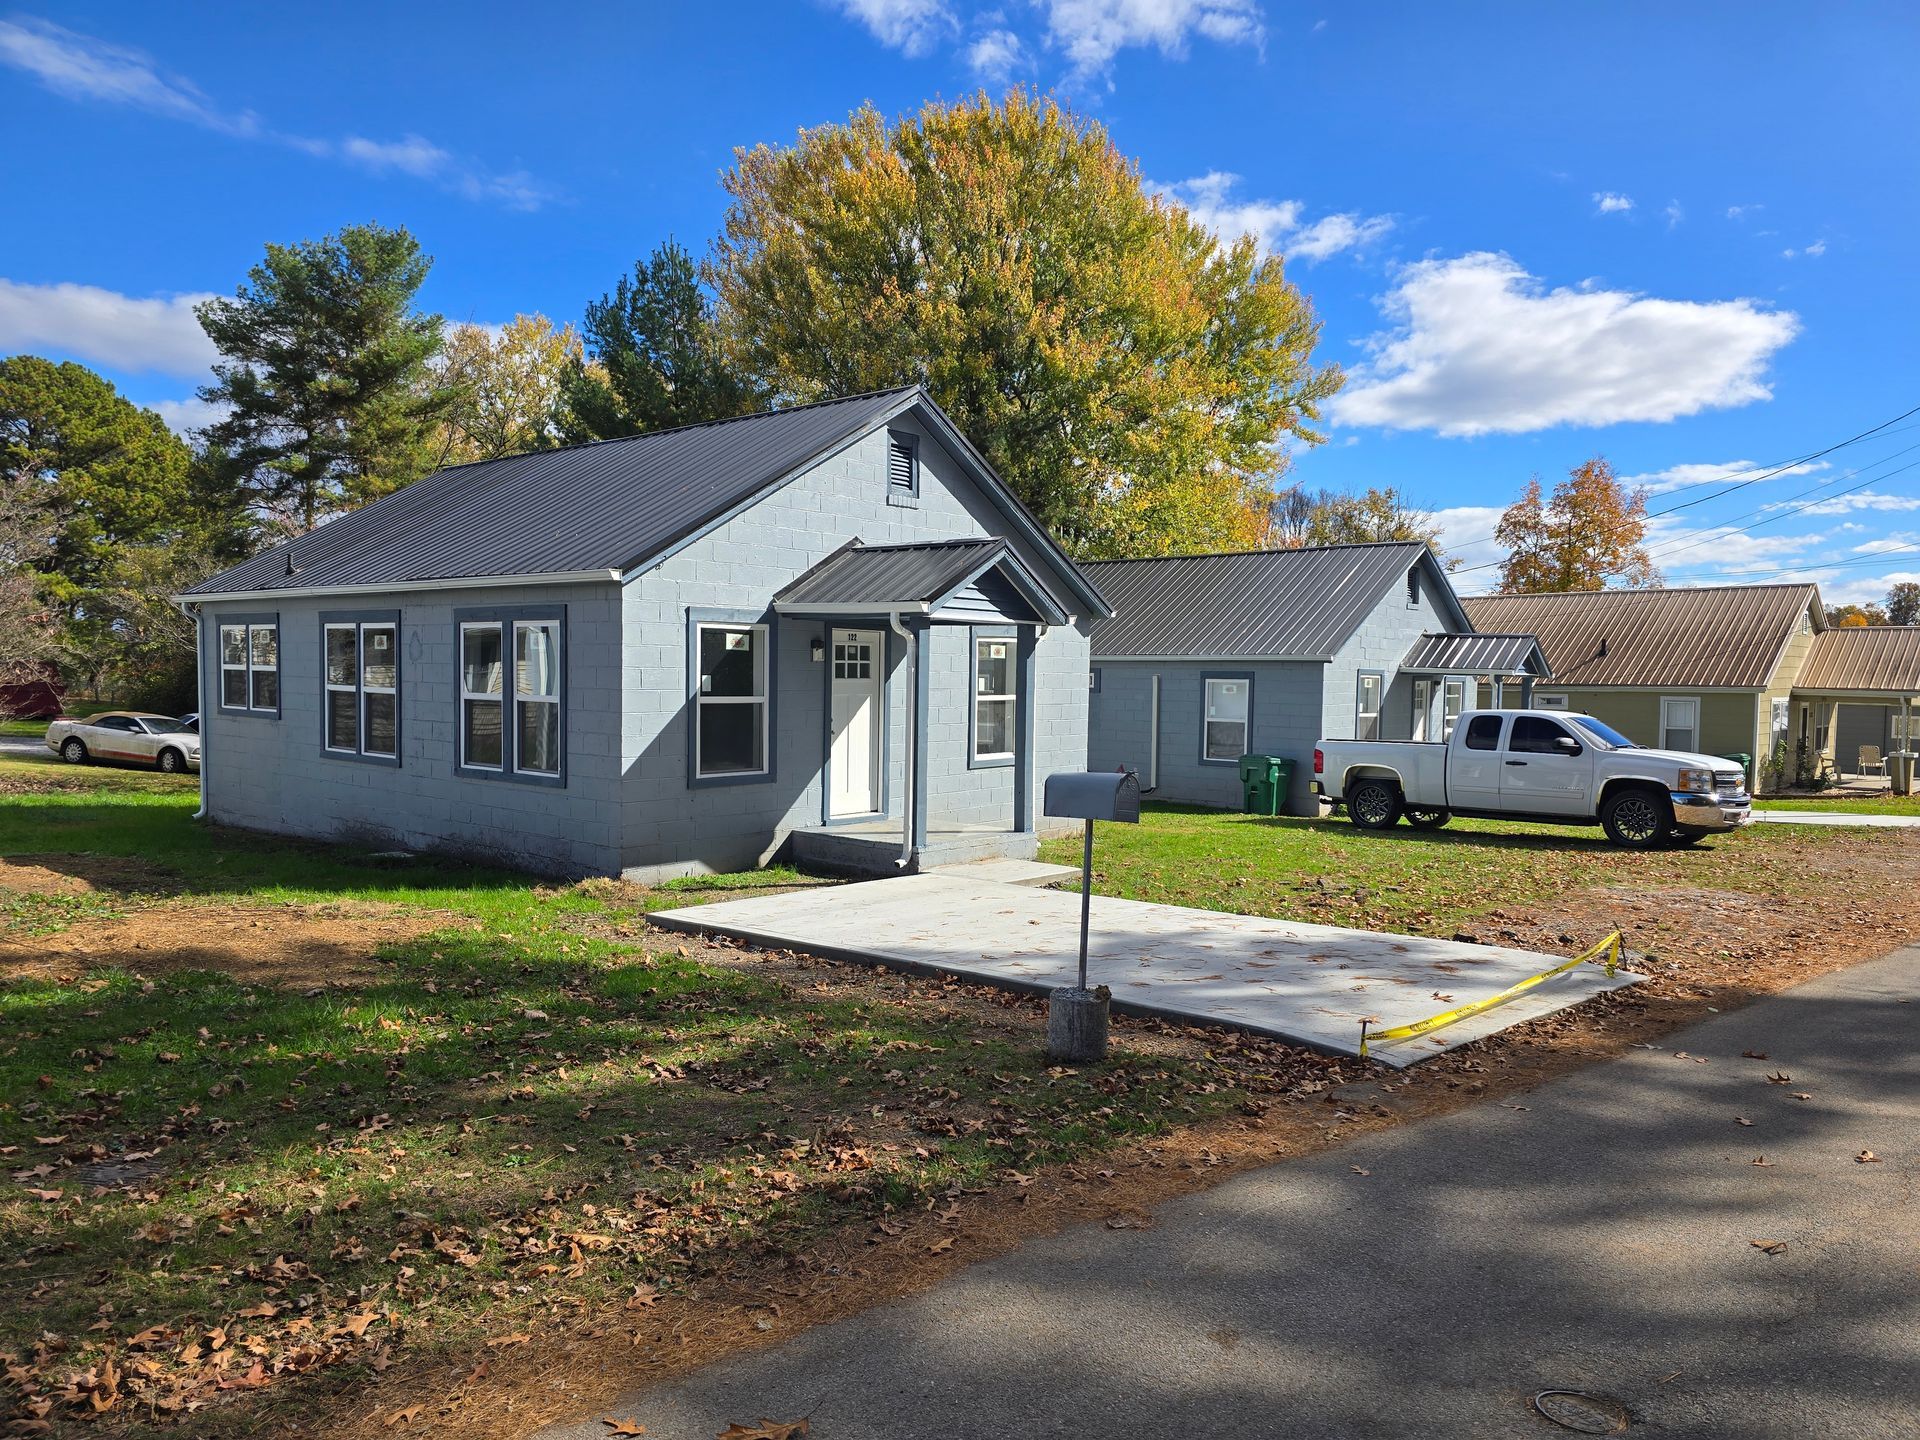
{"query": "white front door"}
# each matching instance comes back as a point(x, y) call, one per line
point(854, 749)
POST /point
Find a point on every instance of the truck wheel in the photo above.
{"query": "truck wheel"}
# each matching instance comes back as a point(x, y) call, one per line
point(74, 752)
point(1637, 819)
point(1374, 804)
point(1428, 819)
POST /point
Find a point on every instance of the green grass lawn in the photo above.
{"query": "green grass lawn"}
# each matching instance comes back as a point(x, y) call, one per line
point(34, 728)
point(218, 1184)
point(1332, 872)
point(1873, 805)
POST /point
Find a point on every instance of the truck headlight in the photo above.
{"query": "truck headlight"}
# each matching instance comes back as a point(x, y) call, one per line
point(1696, 782)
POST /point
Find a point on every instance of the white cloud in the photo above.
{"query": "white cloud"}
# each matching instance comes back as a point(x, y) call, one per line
point(1682, 477)
point(996, 56)
point(184, 416)
point(83, 67)
point(1276, 224)
point(1900, 540)
point(1611, 202)
point(1851, 504)
point(1092, 32)
point(913, 27)
point(103, 327)
point(1811, 252)
point(1479, 347)
point(1674, 213)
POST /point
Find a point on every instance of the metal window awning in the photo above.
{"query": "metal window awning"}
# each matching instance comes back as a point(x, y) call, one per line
point(1476, 654)
point(975, 580)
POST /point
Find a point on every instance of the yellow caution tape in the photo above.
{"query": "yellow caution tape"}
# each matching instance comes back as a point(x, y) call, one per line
point(1610, 947)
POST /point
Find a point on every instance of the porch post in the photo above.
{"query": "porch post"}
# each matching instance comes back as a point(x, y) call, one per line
point(1025, 644)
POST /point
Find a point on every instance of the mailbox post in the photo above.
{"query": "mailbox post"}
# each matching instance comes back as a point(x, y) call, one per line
point(1077, 1016)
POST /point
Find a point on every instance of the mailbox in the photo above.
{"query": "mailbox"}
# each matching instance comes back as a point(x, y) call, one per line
point(1093, 795)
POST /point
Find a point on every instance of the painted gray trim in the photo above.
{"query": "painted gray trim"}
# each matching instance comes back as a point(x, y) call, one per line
point(1026, 644)
point(504, 616)
point(827, 817)
point(911, 491)
point(696, 617)
point(975, 634)
point(1212, 659)
point(922, 692)
point(451, 582)
point(357, 755)
point(247, 712)
point(1024, 582)
point(1205, 676)
point(1093, 680)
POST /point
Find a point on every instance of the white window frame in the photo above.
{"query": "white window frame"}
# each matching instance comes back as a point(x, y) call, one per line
point(1360, 712)
point(1551, 702)
point(333, 687)
point(247, 667)
point(1451, 686)
point(1244, 721)
point(521, 697)
point(1693, 704)
point(1422, 707)
point(495, 697)
point(762, 659)
point(1007, 699)
point(367, 687)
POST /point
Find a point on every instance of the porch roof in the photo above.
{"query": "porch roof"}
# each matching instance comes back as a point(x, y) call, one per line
point(1476, 654)
point(1881, 660)
point(977, 578)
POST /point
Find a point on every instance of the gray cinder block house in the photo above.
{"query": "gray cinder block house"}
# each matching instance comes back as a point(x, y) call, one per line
point(1207, 657)
point(828, 632)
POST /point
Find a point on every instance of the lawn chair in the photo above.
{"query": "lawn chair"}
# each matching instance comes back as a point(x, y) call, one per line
point(1872, 762)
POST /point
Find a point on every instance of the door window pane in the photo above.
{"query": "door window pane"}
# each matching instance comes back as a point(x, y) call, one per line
point(1483, 733)
point(1534, 736)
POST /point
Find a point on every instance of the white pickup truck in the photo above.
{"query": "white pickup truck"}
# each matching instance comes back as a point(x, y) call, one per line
point(1552, 766)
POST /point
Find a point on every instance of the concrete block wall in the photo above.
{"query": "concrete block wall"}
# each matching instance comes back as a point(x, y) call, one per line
point(273, 774)
point(1284, 719)
point(673, 827)
point(1380, 644)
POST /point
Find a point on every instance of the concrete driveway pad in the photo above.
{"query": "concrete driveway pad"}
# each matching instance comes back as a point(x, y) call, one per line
point(1311, 984)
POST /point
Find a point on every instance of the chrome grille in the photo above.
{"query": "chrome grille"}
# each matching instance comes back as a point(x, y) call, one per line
point(1729, 782)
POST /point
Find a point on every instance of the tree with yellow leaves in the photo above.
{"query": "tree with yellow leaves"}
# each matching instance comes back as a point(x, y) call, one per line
point(1135, 378)
point(507, 386)
point(1590, 532)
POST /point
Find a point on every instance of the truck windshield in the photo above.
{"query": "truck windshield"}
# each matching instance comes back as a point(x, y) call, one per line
point(1602, 733)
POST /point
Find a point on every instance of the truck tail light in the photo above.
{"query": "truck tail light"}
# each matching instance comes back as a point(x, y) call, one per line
point(1319, 762)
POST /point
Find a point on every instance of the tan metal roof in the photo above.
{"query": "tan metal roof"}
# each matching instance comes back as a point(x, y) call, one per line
point(1883, 659)
point(1726, 637)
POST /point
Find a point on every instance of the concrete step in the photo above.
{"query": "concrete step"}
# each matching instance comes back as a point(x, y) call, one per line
point(1034, 873)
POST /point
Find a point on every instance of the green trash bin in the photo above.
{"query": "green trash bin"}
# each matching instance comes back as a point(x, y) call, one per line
point(1744, 761)
point(1264, 781)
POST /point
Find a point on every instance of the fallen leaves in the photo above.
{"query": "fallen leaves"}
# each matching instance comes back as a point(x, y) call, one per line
point(1769, 1247)
point(765, 1429)
point(400, 1418)
point(500, 1342)
point(628, 1426)
point(1866, 1157)
point(1742, 1120)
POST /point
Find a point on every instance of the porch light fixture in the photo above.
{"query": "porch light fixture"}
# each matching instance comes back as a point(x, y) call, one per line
point(819, 650)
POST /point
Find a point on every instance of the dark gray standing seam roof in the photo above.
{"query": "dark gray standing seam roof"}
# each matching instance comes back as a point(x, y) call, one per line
point(1294, 604)
point(1476, 654)
point(608, 506)
point(920, 573)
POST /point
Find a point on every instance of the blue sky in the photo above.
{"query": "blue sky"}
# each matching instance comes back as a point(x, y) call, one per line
point(1534, 232)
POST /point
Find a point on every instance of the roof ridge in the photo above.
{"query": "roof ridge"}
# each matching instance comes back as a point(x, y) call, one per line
point(1242, 554)
point(1624, 591)
point(764, 414)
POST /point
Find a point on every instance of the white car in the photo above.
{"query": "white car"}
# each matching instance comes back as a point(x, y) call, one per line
point(126, 735)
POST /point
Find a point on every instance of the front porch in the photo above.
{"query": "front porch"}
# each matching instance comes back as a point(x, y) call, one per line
point(963, 617)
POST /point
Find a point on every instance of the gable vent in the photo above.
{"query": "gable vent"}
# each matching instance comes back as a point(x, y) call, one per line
point(903, 462)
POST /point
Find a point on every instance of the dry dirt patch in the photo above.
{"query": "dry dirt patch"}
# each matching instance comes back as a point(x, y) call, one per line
point(85, 875)
point(292, 946)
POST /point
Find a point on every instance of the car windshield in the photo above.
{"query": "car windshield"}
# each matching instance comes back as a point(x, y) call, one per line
point(156, 725)
point(1602, 733)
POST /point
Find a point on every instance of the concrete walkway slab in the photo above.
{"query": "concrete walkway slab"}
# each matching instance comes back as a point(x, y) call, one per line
point(1422, 1282)
point(1036, 873)
point(1310, 984)
point(1840, 818)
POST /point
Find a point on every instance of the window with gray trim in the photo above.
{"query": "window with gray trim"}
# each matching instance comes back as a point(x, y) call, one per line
point(1369, 686)
point(361, 679)
point(730, 727)
point(513, 694)
point(536, 696)
point(482, 709)
point(1224, 724)
point(250, 666)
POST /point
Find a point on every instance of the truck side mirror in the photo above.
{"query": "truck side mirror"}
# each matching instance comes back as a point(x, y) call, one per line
point(1566, 745)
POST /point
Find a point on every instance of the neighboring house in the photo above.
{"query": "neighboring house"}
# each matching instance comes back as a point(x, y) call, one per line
point(1730, 669)
point(1207, 657)
point(828, 632)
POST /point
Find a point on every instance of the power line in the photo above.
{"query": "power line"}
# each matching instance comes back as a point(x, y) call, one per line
point(1727, 529)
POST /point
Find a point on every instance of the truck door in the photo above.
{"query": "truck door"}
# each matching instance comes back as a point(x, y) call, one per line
point(1473, 765)
point(1545, 770)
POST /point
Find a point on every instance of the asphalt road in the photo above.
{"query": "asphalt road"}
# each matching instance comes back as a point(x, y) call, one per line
point(26, 745)
point(1600, 1239)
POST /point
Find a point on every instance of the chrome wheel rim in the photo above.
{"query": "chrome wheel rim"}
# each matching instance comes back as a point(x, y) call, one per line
point(1635, 818)
point(72, 751)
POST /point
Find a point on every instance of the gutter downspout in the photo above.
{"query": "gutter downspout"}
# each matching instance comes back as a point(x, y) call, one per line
point(194, 613)
point(908, 814)
point(1153, 735)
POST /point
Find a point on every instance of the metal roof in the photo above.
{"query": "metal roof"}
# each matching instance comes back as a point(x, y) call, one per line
point(1294, 604)
point(590, 510)
point(1727, 637)
point(919, 575)
point(1476, 654)
point(1882, 659)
